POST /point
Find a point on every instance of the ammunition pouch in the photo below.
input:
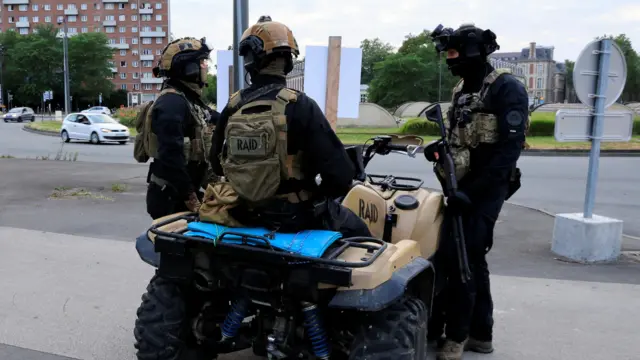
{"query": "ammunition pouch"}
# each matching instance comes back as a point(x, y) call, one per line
point(514, 182)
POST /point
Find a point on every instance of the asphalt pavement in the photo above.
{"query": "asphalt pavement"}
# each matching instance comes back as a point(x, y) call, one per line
point(553, 184)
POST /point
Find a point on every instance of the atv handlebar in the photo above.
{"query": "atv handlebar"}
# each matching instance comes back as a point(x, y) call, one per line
point(382, 145)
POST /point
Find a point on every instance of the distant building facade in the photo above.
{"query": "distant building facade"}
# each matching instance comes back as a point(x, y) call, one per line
point(545, 79)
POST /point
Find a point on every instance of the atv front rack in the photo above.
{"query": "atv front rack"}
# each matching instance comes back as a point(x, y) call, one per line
point(390, 182)
point(178, 243)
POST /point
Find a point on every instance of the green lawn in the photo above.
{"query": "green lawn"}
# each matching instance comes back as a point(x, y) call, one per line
point(55, 126)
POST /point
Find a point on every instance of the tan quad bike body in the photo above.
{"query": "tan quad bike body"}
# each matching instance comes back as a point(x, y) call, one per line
point(215, 297)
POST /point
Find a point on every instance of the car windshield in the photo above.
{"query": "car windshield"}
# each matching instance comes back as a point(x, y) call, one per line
point(16, 110)
point(102, 119)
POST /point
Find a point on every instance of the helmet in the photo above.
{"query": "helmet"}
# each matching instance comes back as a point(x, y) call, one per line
point(472, 44)
point(265, 40)
point(181, 59)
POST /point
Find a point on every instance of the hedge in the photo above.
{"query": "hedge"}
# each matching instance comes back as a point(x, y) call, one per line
point(542, 124)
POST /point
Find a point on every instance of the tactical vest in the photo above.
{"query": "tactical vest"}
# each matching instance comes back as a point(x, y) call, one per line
point(469, 124)
point(254, 158)
point(196, 146)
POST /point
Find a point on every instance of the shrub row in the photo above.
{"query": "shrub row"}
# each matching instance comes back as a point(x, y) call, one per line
point(542, 124)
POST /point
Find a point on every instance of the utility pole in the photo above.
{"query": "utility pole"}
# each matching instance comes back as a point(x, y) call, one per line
point(2, 98)
point(240, 24)
point(439, 76)
point(67, 106)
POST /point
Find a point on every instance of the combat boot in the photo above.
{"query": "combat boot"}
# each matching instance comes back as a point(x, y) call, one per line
point(451, 350)
point(483, 347)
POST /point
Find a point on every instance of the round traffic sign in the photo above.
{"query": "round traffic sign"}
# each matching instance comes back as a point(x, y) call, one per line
point(585, 74)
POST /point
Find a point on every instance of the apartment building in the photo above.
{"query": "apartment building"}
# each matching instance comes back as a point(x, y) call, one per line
point(138, 30)
point(545, 78)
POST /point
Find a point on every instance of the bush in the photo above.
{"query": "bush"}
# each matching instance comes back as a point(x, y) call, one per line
point(127, 116)
point(542, 124)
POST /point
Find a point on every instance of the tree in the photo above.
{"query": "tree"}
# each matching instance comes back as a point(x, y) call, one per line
point(631, 90)
point(89, 56)
point(210, 93)
point(569, 90)
point(412, 74)
point(373, 52)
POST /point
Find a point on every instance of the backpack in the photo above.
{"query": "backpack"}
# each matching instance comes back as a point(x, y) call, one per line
point(254, 158)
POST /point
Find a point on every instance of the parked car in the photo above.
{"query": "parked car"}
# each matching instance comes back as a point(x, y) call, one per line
point(97, 110)
point(96, 128)
point(20, 114)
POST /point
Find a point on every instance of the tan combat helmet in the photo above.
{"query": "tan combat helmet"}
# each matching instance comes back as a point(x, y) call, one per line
point(265, 39)
point(181, 59)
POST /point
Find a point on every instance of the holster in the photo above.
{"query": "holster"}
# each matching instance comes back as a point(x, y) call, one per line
point(514, 182)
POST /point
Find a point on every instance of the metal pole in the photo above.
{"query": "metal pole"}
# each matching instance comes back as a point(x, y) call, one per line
point(67, 105)
point(439, 76)
point(240, 24)
point(596, 128)
point(2, 98)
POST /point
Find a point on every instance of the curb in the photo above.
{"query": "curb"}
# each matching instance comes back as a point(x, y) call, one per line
point(530, 152)
point(54, 133)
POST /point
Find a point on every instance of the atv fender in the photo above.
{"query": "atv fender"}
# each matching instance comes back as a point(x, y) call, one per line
point(385, 293)
point(146, 250)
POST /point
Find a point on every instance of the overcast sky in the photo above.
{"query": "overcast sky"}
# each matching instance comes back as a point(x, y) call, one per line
point(566, 24)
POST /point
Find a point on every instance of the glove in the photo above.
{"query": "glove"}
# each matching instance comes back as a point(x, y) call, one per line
point(459, 201)
point(193, 204)
point(431, 151)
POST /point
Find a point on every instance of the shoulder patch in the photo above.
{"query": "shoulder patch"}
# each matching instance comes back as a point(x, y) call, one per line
point(514, 118)
point(234, 99)
point(288, 94)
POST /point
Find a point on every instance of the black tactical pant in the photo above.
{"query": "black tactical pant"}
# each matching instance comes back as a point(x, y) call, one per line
point(464, 309)
point(342, 219)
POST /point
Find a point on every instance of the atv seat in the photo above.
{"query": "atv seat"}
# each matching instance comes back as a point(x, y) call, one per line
point(311, 243)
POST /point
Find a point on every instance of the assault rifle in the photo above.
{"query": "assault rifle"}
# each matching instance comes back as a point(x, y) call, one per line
point(445, 159)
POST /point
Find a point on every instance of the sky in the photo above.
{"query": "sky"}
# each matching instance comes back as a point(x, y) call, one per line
point(568, 25)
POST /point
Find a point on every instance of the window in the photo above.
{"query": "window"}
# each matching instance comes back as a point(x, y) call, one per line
point(71, 6)
point(34, 7)
point(158, 17)
point(531, 82)
point(134, 29)
point(123, 76)
point(73, 30)
point(158, 51)
point(36, 19)
point(158, 40)
point(146, 28)
point(147, 86)
point(530, 69)
point(159, 28)
point(97, 29)
point(158, 6)
point(135, 52)
point(23, 7)
point(123, 86)
point(60, 7)
point(159, 86)
point(145, 17)
point(109, 17)
point(96, 18)
point(146, 41)
point(136, 86)
point(146, 52)
point(121, 6)
point(96, 6)
point(83, 6)
point(134, 6)
point(123, 29)
point(47, 7)
point(109, 6)
point(47, 19)
point(539, 84)
point(112, 41)
point(123, 52)
point(540, 70)
point(85, 29)
point(72, 18)
point(135, 75)
point(134, 40)
point(60, 19)
point(134, 63)
point(147, 63)
point(123, 40)
point(123, 63)
point(24, 31)
point(147, 75)
point(122, 17)
point(10, 19)
point(109, 29)
point(83, 18)
point(134, 17)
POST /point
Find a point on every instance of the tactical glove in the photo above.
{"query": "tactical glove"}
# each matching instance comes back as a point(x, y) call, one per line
point(431, 151)
point(193, 204)
point(459, 201)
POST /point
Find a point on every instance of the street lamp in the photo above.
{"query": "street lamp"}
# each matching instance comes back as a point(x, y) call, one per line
point(65, 51)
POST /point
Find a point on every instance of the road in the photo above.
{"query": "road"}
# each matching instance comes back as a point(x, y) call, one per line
point(554, 184)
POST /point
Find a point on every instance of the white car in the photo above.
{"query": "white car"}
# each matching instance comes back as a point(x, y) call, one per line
point(96, 128)
point(97, 110)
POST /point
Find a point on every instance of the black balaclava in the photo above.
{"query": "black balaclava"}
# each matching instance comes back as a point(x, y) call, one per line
point(473, 46)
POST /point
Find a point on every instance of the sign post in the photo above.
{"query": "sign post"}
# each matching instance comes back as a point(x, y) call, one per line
point(599, 77)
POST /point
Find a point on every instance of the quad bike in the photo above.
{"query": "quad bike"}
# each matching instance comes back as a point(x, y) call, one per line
point(314, 295)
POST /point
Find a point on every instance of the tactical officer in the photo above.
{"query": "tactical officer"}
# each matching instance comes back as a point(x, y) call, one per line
point(179, 139)
point(486, 125)
point(272, 141)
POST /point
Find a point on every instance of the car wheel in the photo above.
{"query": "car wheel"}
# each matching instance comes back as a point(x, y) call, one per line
point(33, 118)
point(65, 136)
point(122, 142)
point(20, 119)
point(95, 139)
point(5, 120)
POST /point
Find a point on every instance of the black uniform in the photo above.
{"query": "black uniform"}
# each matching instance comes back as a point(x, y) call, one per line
point(468, 309)
point(171, 123)
point(309, 132)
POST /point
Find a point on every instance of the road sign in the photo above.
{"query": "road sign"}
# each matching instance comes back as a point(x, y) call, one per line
point(574, 126)
point(585, 74)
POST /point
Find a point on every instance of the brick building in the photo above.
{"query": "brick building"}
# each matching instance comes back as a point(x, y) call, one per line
point(138, 30)
point(545, 78)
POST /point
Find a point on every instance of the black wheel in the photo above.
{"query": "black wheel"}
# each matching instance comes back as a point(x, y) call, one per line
point(398, 332)
point(122, 142)
point(20, 119)
point(65, 136)
point(33, 118)
point(162, 330)
point(95, 139)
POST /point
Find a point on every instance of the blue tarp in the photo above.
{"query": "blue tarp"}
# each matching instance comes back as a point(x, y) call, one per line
point(312, 243)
